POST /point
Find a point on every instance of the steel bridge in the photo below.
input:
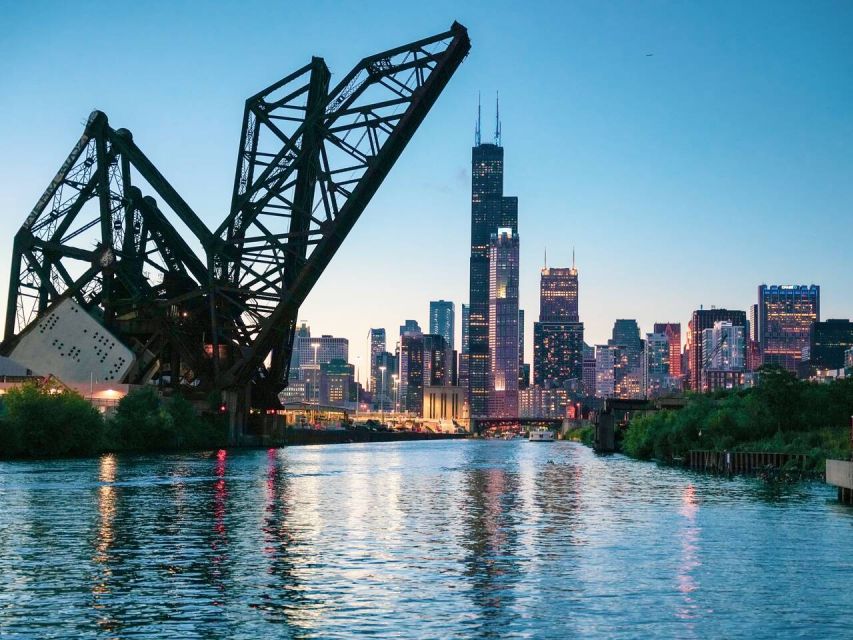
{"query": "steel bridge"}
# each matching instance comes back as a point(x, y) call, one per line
point(113, 274)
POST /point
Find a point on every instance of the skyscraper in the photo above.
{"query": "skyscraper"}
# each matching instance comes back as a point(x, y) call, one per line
point(658, 362)
point(785, 317)
point(522, 376)
point(829, 341)
point(490, 210)
point(558, 295)
point(503, 324)
point(588, 370)
point(463, 355)
point(557, 353)
point(377, 346)
point(442, 322)
point(411, 381)
point(672, 331)
point(724, 352)
point(705, 319)
point(558, 336)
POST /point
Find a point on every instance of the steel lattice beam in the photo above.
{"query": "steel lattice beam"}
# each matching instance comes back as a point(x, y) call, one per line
point(310, 159)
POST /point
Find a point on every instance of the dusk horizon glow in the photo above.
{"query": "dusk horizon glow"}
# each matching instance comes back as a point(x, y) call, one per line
point(687, 154)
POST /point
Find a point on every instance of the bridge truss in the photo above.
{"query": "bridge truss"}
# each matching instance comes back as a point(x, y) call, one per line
point(216, 310)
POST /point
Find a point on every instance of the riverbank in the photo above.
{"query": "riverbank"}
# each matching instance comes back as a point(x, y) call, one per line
point(782, 415)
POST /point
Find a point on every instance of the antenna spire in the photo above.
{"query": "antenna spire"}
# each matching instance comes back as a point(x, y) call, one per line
point(546, 257)
point(573, 257)
point(477, 126)
point(497, 119)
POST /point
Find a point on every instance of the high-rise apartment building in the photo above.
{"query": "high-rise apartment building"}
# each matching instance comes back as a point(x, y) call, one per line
point(704, 319)
point(490, 210)
point(785, 317)
point(672, 331)
point(503, 324)
point(557, 353)
point(522, 376)
point(378, 345)
point(724, 349)
point(658, 359)
point(588, 370)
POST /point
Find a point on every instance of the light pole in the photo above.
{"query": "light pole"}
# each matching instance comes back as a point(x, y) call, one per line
point(394, 378)
point(382, 395)
point(316, 390)
point(357, 382)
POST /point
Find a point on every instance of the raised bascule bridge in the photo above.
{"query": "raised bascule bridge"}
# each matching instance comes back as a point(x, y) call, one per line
point(115, 277)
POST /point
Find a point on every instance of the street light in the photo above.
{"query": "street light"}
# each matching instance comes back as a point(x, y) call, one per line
point(394, 377)
point(316, 390)
point(382, 395)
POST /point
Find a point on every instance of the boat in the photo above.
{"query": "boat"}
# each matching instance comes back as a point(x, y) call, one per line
point(540, 435)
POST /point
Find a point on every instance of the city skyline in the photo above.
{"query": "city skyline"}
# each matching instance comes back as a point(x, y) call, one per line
point(680, 178)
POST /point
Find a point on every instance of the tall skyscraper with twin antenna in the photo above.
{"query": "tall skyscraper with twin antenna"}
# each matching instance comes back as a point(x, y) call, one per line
point(490, 210)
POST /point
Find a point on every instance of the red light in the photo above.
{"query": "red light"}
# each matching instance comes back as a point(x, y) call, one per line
point(223, 408)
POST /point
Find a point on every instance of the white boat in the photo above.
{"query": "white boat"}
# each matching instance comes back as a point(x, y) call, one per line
point(541, 435)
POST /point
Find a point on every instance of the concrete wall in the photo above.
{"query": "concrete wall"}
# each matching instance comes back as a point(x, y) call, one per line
point(840, 473)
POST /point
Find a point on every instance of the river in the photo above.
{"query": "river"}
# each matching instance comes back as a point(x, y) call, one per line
point(446, 539)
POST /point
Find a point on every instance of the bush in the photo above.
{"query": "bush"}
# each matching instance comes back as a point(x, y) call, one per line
point(48, 421)
point(782, 415)
point(145, 422)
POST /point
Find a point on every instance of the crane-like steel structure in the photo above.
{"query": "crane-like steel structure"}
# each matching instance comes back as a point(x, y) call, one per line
point(217, 310)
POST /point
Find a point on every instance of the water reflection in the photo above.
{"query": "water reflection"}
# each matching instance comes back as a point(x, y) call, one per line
point(689, 561)
point(451, 539)
point(107, 495)
point(490, 539)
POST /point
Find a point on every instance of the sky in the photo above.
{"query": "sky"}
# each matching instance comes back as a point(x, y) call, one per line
point(687, 177)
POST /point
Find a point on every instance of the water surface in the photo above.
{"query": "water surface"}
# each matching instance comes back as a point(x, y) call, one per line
point(441, 539)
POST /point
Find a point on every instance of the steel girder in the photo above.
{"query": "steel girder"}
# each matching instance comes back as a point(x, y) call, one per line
point(310, 160)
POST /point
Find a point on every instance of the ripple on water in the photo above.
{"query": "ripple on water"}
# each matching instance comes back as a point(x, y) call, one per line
point(438, 539)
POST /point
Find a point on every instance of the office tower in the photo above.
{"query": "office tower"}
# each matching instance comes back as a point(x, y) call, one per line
point(302, 331)
point(828, 342)
point(312, 352)
point(490, 209)
point(558, 336)
point(588, 370)
point(377, 346)
point(411, 327)
point(336, 382)
point(436, 360)
point(558, 295)
point(463, 355)
point(626, 333)
point(704, 319)
point(785, 316)
point(522, 377)
point(752, 334)
point(411, 380)
point(658, 358)
point(724, 350)
point(672, 331)
point(442, 321)
point(557, 353)
point(386, 395)
point(503, 324)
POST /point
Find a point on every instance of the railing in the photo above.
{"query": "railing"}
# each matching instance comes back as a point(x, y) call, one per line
point(744, 461)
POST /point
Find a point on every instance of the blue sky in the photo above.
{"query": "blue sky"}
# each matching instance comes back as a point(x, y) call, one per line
point(685, 178)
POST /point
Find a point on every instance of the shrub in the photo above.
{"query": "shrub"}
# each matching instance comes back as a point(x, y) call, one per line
point(44, 421)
